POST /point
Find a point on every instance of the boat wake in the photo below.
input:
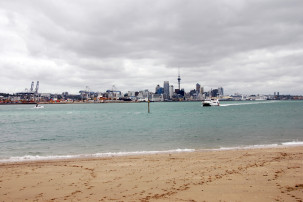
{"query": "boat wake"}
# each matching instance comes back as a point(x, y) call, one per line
point(247, 103)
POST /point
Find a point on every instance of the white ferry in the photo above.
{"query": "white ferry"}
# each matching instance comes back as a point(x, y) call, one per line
point(210, 102)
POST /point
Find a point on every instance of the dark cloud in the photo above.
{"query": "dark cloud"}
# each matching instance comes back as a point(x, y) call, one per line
point(244, 46)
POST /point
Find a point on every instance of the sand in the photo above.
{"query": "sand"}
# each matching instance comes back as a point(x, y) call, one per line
point(274, 174)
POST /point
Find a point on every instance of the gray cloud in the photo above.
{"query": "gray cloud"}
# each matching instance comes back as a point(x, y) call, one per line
point(244, 46)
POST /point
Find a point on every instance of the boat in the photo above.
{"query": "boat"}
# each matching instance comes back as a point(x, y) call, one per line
point(38, 106)
point(210, 102)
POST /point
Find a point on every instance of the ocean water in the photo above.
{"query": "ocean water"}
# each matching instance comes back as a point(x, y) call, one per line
point(84, 130)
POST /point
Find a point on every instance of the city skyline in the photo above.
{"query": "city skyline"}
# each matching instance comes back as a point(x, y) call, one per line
point(170, 89)
point(167, 91)
point(247, 47)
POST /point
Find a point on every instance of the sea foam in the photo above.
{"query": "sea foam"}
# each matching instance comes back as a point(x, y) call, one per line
point(97, 155)
point(293, 143)
point(137, 153)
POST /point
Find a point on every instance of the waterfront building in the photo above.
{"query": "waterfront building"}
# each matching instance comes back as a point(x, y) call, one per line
point(131, 93)
point(157, 98)
point(143, 94)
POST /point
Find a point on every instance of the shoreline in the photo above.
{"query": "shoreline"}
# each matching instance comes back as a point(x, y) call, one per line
point(110, 155)
point(36, 158)
point(264, 174)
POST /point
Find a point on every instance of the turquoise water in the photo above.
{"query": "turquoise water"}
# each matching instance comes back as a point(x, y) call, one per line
point(85, 129)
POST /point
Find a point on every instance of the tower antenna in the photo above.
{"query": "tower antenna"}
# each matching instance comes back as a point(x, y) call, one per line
point(179, 78)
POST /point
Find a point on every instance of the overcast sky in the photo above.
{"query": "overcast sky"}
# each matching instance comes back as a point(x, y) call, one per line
point(245, 46)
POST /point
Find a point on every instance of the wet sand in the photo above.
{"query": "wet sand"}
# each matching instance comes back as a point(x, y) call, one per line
point(274, 174)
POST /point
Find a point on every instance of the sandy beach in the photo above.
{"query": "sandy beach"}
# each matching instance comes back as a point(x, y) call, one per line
point(271, 174)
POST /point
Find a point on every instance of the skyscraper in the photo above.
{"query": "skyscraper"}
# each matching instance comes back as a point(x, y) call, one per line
point(171, 91)
point(202, 90)
point(214, 92)
point(198, 87)
point(220, 91)
point(157, 88)
point(166, 89)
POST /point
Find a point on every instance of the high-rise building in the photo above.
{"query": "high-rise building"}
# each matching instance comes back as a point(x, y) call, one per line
point(160, 91)
point(182, 92)
point(198, 88)
point(214, 92)
point(157, 89)
point(171, 91)
point(202, 90)
point(220, 91)
point(166, 89)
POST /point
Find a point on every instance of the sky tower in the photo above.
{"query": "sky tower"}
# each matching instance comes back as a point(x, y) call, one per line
point(179, 79)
